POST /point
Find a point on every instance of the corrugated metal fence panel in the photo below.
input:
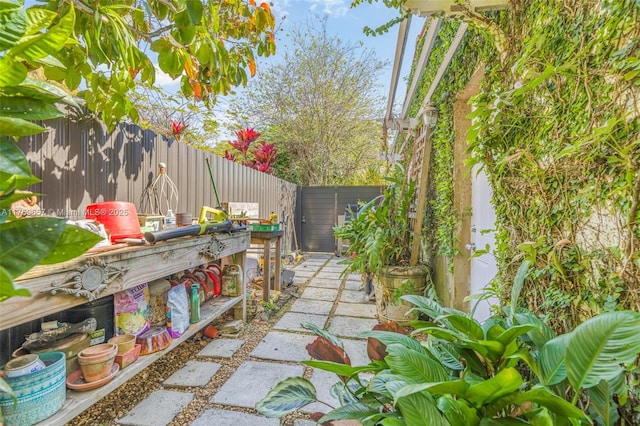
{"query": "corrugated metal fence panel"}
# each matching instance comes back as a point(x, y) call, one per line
point(80, 163)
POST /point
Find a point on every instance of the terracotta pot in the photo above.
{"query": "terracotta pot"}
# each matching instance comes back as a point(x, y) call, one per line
point(97, 353)
point(96, 370)
point(125, 342)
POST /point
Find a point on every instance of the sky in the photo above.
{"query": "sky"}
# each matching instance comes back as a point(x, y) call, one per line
point(345, 22)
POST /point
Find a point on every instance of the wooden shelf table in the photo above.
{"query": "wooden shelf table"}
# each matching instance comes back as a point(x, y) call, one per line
point(266, 239)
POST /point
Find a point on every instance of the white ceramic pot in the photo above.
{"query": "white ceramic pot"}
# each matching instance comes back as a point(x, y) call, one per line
point(25, 364)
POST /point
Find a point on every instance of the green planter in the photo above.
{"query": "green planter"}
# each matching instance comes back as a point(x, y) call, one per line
point(396, 281)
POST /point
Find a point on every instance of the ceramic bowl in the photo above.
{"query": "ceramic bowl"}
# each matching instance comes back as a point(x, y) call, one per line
point(125, 342)
point(25, 364)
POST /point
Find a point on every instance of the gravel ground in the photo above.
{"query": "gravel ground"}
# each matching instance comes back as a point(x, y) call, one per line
point(119, 402)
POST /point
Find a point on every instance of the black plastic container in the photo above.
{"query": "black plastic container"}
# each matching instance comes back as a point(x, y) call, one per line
point(101, 310)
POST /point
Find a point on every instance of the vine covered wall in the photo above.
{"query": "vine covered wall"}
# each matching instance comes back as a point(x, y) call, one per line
point(556, 126)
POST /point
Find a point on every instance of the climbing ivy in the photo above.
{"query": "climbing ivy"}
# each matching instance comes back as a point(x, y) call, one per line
point(556, 126)
point(440, 214)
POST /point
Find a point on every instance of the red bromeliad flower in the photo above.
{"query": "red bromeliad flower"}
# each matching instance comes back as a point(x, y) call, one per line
point(248, 135)
point(178, 127)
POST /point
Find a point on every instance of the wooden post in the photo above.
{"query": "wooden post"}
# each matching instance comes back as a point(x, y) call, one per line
point(422, 196)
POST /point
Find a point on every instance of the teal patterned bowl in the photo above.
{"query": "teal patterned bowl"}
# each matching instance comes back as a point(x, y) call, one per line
point(39, 395)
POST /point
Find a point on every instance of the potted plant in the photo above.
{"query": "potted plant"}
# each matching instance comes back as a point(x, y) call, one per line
point(379, 242)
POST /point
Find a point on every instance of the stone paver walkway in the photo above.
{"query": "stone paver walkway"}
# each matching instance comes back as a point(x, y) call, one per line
point(329, 300)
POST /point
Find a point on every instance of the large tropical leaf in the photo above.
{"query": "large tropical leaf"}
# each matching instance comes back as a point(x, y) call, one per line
point(503, 383)
point(504, 421)
point(420, 409)
point(551, 360)
point(466, 326)
point(457, 411)
point(335, 367)
point(378, 384)
point(390, 338)
point(8, 288)
point(12, 72)
point(286, 397)
point(599, 346)
point(43, 44)
point(322, 333)
point(550, 401)
point(518, 284)
point(513, 333)
point(453, 387)
point(38, 19)
point(25, 242)
point(422, 304)
point(352, 411)
point(28, 108)
point(10, 126)
point(12, 160)
point(13, 24)
point(445, 352)
point(415, 365)
point(541, 334)
point(48, 90)
point(345, 392)
point(602, 403)
point(73, 242)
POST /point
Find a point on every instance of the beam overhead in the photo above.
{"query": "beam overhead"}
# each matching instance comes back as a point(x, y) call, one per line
point(449, 7)
point(403, 33)
point(430, 37)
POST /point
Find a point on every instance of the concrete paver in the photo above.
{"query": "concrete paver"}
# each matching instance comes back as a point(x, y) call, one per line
point(300, 280)
point(357, 351)
point(325, 282)
point(251, 382)
point(353, 285)
point(309, 306)
point(322, 381)
point(304, 422)
point(158, 409)
point(362, 310)
point(351, 327)
point(328, 275)
point(226, 418)
point(221, 348)
point(352, 296)
point(194, 373)
point(305, 273)
point(316, 293)
point(282, 346)
point(334, 268)
point(291, 321)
